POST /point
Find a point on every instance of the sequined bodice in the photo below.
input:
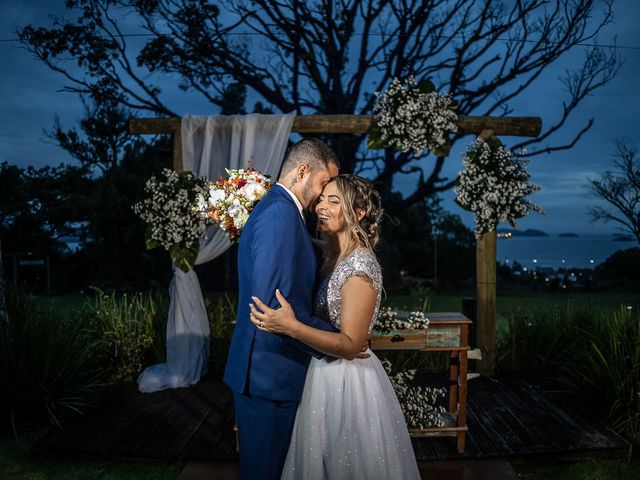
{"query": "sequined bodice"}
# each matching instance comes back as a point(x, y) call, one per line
point(328, 298)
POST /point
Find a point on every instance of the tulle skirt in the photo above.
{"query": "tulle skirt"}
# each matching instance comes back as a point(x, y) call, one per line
point(349, 425)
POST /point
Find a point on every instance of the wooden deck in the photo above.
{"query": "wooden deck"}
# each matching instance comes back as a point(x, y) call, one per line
point(507, 417)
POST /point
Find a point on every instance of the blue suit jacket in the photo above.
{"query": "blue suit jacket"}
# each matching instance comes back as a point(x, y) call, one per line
point(275, 251)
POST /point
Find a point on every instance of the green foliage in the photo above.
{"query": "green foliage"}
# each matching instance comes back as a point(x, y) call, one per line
point(594, 351)
point(221, 311)
point(51, 363)
point(605, 365)
point(535, 340)
point(129, 325)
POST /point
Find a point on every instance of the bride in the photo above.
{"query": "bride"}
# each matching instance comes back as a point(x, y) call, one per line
point(349, 424)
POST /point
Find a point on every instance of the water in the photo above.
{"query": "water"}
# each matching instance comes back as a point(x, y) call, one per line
point(585, 251)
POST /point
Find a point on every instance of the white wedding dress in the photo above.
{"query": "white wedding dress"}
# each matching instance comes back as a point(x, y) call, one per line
point(349, 424)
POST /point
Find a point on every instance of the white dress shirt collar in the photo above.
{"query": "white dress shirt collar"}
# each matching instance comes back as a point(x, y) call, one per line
point(295, 199)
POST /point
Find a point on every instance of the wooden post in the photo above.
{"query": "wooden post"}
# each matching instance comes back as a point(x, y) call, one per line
point(177, 150)
point(486, 294)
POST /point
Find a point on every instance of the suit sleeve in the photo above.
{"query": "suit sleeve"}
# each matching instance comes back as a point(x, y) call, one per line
point(277, 233)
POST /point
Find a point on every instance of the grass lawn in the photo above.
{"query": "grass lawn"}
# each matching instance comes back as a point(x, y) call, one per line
point(509, 301)
point(594, 470)
point(17, 464)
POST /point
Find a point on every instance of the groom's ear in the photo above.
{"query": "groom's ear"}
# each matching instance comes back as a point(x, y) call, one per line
point(303, 170)
point(360, 213)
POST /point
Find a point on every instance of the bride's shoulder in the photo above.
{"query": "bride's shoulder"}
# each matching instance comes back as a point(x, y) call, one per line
point(363, 260)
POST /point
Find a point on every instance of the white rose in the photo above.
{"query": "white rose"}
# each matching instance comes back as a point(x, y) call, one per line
point(253, 191)
point(215, 195)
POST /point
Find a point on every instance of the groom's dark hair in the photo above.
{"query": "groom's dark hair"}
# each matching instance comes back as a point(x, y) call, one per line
point(309, 150)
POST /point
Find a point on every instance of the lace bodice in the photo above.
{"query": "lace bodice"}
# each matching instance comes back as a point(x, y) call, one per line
point(328, 299)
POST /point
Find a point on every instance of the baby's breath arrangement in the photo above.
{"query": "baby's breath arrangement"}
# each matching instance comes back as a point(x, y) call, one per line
point(418, 404)
point(494, 185)
point(411, 116)
point(389, 320)
point(168, 213)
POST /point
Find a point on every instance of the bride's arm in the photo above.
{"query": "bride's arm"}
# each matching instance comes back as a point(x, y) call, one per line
point(358, 301)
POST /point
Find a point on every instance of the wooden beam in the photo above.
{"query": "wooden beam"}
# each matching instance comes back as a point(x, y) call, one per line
point(359, 124)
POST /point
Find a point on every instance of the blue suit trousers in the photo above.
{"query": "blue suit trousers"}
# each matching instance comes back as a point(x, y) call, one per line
point(264, 433)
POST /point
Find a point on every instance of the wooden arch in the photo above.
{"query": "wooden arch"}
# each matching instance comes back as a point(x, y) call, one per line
point(484, 127)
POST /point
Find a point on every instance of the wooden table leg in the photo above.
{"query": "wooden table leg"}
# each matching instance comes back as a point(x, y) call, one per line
point(454, 372)
point(462, 400)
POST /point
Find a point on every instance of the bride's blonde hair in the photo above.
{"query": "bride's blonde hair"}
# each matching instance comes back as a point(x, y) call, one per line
point(359, 195)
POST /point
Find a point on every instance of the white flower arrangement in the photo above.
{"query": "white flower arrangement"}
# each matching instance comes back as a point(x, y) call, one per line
point(168, 214)
point(389, 320)
point(231, 200)
point(414, 117)
point(494, 185)
point(419, 404)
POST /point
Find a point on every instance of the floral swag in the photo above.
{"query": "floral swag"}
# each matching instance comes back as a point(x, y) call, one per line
point(494, 185)
point(412, 116)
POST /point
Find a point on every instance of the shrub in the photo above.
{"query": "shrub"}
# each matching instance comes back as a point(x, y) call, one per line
point(594, 351)
point(134, 328)
point(605, 366)
point(51, 363)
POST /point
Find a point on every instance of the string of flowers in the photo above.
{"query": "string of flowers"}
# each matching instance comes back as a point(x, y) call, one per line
point(419, 404)
point(167, 211)
point(389, 320)
point(230, 201)
point(494, 185)
point(411, 116)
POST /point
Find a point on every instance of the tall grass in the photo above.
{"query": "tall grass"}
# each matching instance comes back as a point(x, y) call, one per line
point(134, 329)
point(51, 363)
point(595, 352)
point(605, 366)
point(221, 311)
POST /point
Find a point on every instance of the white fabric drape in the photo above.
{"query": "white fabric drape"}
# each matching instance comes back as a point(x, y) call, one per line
point(209, 145)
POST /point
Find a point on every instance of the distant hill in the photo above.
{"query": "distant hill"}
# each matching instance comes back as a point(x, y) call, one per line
point(569, 235)
point(622, 237)
point(529, 232)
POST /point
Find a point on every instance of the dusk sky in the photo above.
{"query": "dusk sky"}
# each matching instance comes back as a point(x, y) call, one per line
point(30, 99)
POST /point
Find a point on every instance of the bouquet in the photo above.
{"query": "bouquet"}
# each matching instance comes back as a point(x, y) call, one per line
point(231, 200)
point(169, 216)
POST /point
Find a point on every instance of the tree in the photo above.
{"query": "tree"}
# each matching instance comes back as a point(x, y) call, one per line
point(620, 271)
point(329, 57)
point(620, 189)
point(103, 138)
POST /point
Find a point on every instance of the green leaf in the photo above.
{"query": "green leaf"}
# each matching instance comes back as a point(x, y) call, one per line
point(184, 257)
point(149, 242)
point(374, 140)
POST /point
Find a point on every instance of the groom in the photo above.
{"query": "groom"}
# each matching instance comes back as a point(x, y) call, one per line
point(266, 372)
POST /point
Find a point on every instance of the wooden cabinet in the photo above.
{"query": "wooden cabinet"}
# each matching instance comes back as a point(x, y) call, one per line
point(447, 331)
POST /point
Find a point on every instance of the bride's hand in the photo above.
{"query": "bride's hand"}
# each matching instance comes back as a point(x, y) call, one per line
point(271, 320)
